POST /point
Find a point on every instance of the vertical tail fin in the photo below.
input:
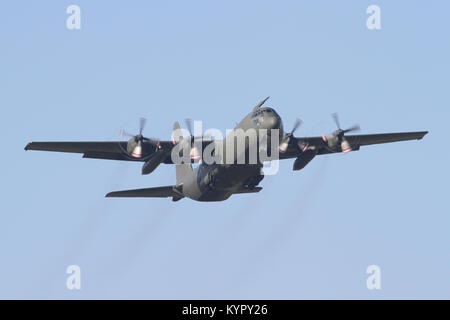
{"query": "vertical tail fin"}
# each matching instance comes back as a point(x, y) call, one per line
point(182, 170)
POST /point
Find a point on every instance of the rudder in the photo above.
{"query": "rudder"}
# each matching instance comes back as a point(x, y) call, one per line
point(182, 170)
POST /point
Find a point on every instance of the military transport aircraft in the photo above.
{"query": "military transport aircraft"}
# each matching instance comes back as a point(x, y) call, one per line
point(217, 182)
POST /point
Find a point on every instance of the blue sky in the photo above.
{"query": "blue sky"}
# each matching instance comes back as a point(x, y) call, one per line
point(308, 234)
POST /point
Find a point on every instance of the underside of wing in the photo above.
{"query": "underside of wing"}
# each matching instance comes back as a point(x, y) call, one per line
point(157, 192)
point(368, 139)
point(112, 150)
point(355, 141)
point(78, 147)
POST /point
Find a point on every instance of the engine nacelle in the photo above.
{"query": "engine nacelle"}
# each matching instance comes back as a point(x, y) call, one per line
point(134, 148)
point(304, 158)
point(153, 162)
point(331, 140)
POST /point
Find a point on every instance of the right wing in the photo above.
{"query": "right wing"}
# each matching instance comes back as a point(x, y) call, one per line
point(112, 150)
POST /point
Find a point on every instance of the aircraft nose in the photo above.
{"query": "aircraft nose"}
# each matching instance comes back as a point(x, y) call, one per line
point(272, 122)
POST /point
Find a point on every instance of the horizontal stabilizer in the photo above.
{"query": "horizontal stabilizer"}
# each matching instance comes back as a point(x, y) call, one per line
point(78, 147)
point(248, 190)
point(157, 192)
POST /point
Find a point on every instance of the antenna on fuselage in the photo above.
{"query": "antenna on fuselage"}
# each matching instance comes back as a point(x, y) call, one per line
point(260, 104)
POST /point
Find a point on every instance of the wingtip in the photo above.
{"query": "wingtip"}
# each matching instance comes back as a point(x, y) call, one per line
point(113, 194)
point(27, 147)
point(424, 133)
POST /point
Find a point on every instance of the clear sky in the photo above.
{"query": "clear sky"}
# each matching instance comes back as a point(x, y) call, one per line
point(308, 234)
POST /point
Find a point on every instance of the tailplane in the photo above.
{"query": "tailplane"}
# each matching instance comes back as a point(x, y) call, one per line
point(176, 191)
point(157, 192)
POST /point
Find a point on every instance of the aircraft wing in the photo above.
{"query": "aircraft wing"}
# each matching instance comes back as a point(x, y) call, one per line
point(116, 150)
point(112, 150)
point(368, 139)
point(356, 141)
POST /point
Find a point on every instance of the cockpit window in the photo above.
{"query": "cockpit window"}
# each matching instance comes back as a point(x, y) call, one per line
point(261, 111)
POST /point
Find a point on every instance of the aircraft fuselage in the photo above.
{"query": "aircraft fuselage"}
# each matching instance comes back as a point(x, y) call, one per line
point(217, 182)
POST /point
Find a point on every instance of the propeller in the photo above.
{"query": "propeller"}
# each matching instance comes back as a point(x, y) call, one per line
point(195, 155)
point(135, 143)
point(191, 139)
point(338, 136)
point(188, 123)
point(287, 137)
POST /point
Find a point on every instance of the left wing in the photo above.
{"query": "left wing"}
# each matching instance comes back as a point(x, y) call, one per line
point(368, 139)
point(355, 141)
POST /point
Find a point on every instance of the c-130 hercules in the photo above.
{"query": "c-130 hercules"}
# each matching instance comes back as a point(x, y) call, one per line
point(218, 181)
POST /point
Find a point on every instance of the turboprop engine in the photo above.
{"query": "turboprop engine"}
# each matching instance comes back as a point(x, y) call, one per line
point(337, 138)
point(135, 144)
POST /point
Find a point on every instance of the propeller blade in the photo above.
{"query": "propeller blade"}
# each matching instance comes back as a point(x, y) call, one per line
point(188, 123)
point(142, 122)
point(287, 137)
point(151, 139)
point(354, 128)
point(336, 120)
point(124, 133)
point(297, 124)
